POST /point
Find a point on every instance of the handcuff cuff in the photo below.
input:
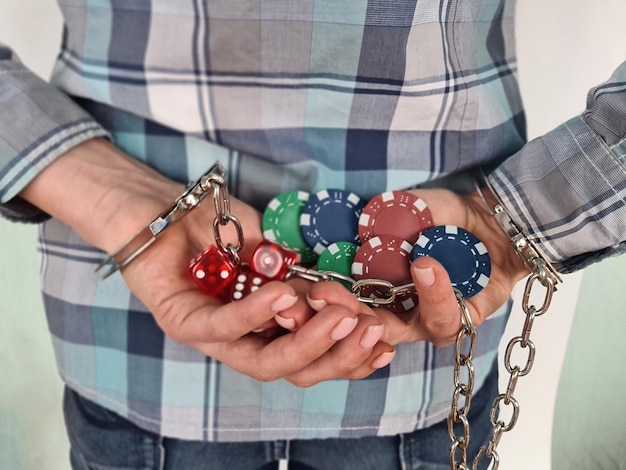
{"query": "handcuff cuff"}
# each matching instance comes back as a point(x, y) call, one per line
point(542, 272)
point(191, 198)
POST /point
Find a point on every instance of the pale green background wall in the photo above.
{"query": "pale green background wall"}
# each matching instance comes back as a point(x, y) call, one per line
point(590, 415)
point(581, 41)
point(32, 436)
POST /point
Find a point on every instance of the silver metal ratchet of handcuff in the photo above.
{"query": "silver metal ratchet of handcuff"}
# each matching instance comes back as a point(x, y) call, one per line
point(191, 198)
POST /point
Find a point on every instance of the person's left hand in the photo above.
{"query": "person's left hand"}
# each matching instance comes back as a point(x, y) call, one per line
point(437, 317)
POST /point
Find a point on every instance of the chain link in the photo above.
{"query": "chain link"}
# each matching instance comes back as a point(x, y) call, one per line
point(462, 389)
point(506, 400)
point(223, 216)
point(385, 292)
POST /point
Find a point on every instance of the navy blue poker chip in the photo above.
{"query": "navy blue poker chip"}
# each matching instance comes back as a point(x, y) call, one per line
point(463, 255)
point(330, 216)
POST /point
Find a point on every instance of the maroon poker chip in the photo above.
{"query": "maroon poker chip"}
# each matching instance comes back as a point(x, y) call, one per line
point(386, 258)
point(398, 213)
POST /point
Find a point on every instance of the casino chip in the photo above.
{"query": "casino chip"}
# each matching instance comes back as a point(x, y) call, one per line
point(463, 255)
point(397, 213)
point(338, 258)
point(387, 258)
point(281, 223)
point(330, 216)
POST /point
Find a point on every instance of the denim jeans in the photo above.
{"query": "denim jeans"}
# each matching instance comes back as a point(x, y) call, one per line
point(102, 440)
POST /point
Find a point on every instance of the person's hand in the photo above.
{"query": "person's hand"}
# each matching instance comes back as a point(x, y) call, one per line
point(437, 316)
point(334, 343)
point(118, 196)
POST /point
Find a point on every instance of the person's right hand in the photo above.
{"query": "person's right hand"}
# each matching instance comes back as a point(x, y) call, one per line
point(336, 342)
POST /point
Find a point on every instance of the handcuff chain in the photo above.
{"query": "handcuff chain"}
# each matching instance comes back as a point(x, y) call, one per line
point(541, 272)
point(458, 414)
point(386, 292)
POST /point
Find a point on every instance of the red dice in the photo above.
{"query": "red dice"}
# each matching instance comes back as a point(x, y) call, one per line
point(219, 276)
point(246, 282)
point(272, 260)
point(213, 271)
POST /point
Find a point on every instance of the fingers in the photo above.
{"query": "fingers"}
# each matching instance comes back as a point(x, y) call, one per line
point(334, 343)
point(321, 294)
point(193, 317)
point(437, 317)
point(397, 328)
point(293, 317)
point(270, 359)
point(355, 357)
point(439, 314)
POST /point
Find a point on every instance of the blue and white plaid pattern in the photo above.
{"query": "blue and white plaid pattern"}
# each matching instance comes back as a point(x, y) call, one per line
point(368, 96)
point(568, 188)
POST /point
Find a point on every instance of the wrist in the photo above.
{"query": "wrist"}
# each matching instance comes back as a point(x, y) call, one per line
point(531, 255)
point(481, 204)
point(211, 183)
point(103, 194)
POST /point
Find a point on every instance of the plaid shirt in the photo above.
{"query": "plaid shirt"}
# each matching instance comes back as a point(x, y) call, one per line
point(368, 96)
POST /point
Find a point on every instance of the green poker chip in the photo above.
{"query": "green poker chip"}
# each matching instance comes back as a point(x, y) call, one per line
point(281, 224)
point(337, 258)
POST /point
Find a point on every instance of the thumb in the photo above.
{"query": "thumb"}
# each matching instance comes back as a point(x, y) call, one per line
point(439, 313)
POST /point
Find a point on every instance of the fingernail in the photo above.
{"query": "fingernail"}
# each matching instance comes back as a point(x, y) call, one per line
point(371, 336)
point(316, 304)
point(425, 276)
point(286, 323)
point(283, 302)
point(343, 328)
point(383, 360)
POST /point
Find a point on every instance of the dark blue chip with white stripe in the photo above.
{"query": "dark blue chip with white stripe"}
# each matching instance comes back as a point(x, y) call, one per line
point(330, 216)
point(463, 255)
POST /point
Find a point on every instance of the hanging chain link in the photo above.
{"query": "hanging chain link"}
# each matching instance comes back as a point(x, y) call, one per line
point(458, 413)
point(462, 361)
point(542, 273)
point(223, 216)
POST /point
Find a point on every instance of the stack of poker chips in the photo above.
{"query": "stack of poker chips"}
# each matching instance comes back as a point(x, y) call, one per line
point(336, 230)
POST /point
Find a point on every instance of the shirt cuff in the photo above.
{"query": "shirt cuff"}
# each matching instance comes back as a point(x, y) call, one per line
point(38, 124)
point(567, 191)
